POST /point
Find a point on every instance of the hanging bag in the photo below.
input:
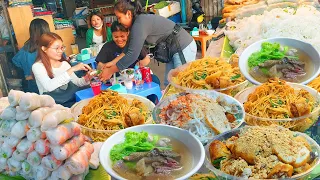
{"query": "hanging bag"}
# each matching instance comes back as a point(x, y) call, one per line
point(162, 51)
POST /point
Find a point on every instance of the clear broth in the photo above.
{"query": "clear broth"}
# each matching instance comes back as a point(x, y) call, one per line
point(186, 161)
point(308, 68)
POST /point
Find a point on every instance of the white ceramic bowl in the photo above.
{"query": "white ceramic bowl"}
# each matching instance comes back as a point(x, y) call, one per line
point(303, 46)
point(193, 144)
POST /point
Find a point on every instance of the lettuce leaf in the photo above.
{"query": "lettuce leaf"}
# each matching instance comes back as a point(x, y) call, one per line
point(134, 142)
point(269, 51)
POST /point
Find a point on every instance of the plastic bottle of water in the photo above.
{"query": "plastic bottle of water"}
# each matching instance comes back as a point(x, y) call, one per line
point(209, 25)
point(137, 78)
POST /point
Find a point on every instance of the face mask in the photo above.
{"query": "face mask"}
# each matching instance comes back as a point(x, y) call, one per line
point(97, 28)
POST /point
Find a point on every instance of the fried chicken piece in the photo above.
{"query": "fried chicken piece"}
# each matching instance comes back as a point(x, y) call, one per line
point(300, 108)
point(213, 80)
point(281, 171)
point(224, 82)
point(134, 117)
point(218, 149)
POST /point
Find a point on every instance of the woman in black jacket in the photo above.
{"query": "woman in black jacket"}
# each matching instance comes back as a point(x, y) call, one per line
point(151, 29)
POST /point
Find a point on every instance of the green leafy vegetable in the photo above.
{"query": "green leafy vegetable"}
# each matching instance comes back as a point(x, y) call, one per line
point(216, 162)
point(129, 71)
point(161, 5)
point(196, 76)
point(98, 72)
point(134, 142)
point(204, 75)
point(275, 104)
point(268, 51)
point(235, 77)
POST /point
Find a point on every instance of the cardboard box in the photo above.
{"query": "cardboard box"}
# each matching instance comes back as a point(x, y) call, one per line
point(79, 21)
point(170, 10)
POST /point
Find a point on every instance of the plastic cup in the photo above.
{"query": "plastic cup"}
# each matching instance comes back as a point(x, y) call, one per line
point(75, 48)
point(96, 87)
point(128, 84)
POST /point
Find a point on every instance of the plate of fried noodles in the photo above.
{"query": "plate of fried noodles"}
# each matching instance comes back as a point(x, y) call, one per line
point(290, 105)
point(109, 112)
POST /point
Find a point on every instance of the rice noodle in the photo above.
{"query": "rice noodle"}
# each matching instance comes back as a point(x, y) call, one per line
point(302, 24)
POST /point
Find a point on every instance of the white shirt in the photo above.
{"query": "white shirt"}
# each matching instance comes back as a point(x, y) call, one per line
point(97, 39)
point(61, 77)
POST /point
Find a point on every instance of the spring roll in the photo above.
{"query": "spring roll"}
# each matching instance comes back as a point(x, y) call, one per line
point(3, 163)
point(14, 97)
point(34, 158)
point(19, 156)
point(6, 127)
point(42, 147)
point(50, 162)
point(12, 141)
point(94, 160)
point(62, 133)
point(14, 165)
point(68, 148)
point(63, 172)
point(35, 134)
point(22, 114)
point(30, 101)
point(36, 116)
point(25, 146)
point(54, 175)
point(6, 151)
point(47, 101)
point(26, 167)
point(79, 162)
point(80, 176)
point(29, 176)
point(41, 173)
point(9, 113)
point(2, 138)
point(20, 129)
point(54, 118)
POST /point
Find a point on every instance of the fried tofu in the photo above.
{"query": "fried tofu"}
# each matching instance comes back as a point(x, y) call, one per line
point(281, 171)
point(295, 159)
point(218, 149)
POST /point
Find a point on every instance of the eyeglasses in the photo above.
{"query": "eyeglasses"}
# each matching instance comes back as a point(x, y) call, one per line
point(62, 48)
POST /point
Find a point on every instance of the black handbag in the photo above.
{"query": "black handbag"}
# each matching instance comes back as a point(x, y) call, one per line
point(65, 97)
point(162, 51)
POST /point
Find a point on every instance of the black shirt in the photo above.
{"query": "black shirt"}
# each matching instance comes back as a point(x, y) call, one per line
point(110, 50)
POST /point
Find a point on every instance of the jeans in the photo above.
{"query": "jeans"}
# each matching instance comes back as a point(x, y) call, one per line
point(189, 53)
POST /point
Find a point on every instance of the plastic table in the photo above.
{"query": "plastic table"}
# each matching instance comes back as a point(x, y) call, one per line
point(91, 61)
point(203, 40)
point(147, 89)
